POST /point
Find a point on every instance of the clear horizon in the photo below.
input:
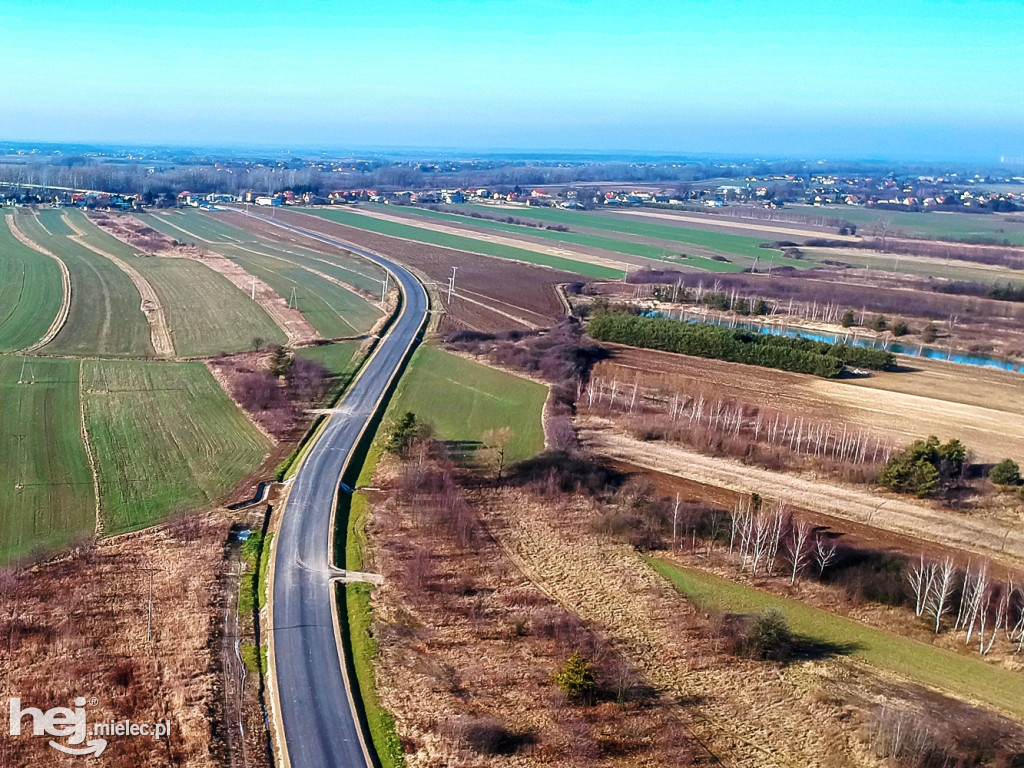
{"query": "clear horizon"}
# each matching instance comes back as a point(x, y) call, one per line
point(921, 81)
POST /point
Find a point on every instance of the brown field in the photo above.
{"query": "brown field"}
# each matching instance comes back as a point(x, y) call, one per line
point(77, 626)
point(982, 407)
point(495, 294)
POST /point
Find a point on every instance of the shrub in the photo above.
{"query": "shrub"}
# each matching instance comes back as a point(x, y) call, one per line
point(929, 333)
point(900, 328)
point(879, 323)
point(576, 678)
point(848, 320)
point(920, 468)
point(403, 433)
point(768, 637)
point(1006, 472)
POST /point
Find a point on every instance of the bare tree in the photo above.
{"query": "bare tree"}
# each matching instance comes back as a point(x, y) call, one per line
point(941, 591)
point(495, 448)
point(824, 553)
point(921, 578)
point(798, 548)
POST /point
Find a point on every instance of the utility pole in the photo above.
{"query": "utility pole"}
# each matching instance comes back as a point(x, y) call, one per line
point(293, 300)
point(451, 285)
point(254, 289)
point(675, 518)
point(384, 288)
point(149, 618)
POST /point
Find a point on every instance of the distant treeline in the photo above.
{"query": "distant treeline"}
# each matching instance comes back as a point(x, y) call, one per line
point(1008, 292)
point(734, 345)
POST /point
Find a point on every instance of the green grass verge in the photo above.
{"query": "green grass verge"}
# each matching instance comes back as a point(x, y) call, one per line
point(31, 291)
point(460, 243)
point(969, 677)
point(166, 439)
point(47, 497)
point(356, 610)
point(463, 399)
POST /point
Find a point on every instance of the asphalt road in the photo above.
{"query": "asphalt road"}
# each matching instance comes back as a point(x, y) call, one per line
point(321, 730)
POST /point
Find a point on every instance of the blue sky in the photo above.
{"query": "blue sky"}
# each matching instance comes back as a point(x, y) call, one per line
point(878, 79)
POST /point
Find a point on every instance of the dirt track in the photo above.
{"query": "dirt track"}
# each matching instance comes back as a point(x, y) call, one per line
point(924, 520)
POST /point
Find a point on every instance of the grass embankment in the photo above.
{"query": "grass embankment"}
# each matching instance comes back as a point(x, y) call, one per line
point(460, 243)
point(166, 439)
point(252, 594)
point(31, 291)
point(462, 399)
point(48, 497)
point(967, 677)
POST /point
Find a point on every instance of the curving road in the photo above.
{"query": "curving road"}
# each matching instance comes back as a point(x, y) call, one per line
point(315, 705)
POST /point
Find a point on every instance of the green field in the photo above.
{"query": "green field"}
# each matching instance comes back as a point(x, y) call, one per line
point(31, 292)
point(45, 483)
point(354, 270)
point(105, 316)
point(935, 225)
point(457, 242)
point(207, 314)
point(722, 242)
point(166, 439)
point(462, 399)
point(966, 676)
point(330, 308)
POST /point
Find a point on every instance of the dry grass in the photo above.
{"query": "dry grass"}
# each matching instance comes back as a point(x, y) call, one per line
point(77, 626)
point(468, 646)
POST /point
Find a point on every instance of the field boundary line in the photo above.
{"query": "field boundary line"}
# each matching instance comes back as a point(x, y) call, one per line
point(159, 331)
point(65, 279)
point(87, 444)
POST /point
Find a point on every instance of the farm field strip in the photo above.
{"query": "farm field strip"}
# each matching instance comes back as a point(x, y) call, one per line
point(737, 245)
point(228, 240)
point(935, 225)
point(937, 668)
point(105, 317)
point(590, 241)
point(34, 292)
point(333, 310)
point(166, 439)
point(462, 399)
point(206, 312)
point(460, 243)
point(925, 266)
point(614, 241)
point(45, 481)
